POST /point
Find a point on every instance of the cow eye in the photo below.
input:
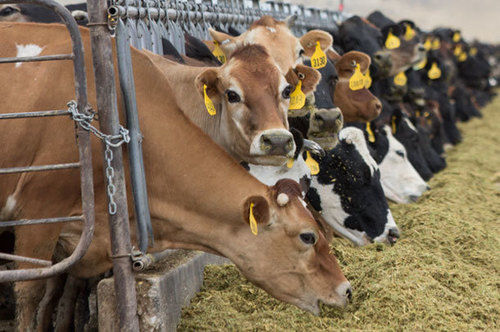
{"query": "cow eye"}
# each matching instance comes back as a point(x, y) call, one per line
point(400, 153)
point(233, 97)
point(286, 92)
point(308, 238)
point(7, 11)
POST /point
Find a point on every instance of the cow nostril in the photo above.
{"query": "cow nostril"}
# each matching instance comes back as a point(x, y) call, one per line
point(413, 198)
point(348, 293)
point(378, 56)
point(393, 235)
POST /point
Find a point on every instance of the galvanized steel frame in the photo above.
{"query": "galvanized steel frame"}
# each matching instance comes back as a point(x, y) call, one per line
point(84, 150)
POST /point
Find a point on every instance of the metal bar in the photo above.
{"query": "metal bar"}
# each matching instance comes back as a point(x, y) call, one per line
point(139, 188)
point(27, 222)
point(39, 114)
point(38, 58)
point(87, 188)
point(104, 74)
point(23, 259)
point(26, 169)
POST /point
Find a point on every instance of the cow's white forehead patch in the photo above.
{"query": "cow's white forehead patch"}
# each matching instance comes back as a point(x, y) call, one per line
point(27, 50)
point(356, 137)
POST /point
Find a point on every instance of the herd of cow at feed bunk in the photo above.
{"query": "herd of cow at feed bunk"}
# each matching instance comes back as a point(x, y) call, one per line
point(326, 128)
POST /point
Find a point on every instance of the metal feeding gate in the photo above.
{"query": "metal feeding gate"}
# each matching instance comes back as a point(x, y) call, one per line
point(84, 163)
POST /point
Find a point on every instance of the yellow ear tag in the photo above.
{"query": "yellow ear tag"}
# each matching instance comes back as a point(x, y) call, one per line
point(208, 102)
point(473, 51)
point(462, 57)
point(458, 50)
point(368, 79)
point(253, 222)
point(392, 41)
point(289, 163)
point(218, 53)
point(427, 44)
point(417, 113)
point(409, 33)
point(371, 135)
point(456, 37)
point(393, 124)
point(421, 64)
point(436, 44)
point(357, 80)
point(318, 59)
point(434, 73)
point(312, 164)
point(297, 98)
point(400, 79)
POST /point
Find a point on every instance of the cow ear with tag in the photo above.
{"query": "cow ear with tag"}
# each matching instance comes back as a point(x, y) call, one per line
point(256, 213)
point(347, 64)
point(206, 84)
point(225, 43)
point(308, 76)
point(310, 39)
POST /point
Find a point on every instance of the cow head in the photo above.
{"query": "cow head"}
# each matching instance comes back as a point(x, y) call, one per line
point(406, 133)
point(349, 194)
point(358, 34)
point(253, 97)
point(400, 180)
point(277, 38)
point(289, 257)
point(359, 105)
point(319, 120)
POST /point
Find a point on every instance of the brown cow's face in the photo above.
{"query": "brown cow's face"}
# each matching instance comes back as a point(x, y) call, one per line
point(290, 257)
point(11, 13)
point(253, 97)
point(360, 105)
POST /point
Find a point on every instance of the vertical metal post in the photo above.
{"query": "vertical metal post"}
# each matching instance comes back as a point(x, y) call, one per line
point(102, 57)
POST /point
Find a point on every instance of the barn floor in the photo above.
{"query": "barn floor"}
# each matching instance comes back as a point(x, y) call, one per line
point(443, 274)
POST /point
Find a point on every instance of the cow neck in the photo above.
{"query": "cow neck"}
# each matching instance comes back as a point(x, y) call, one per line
point(196, 190)
point(181, 79)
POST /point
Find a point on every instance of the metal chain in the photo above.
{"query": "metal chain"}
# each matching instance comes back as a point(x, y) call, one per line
point(111, 141)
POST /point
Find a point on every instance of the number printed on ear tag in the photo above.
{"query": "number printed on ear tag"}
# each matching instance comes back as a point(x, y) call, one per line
point(208, 102)
point(297, 98)
point(392, 41)
point(434, 73)
point(312, 164)
point(318, 59)
point(400, 79)
point(253, 222)
point(218, 53)
point(357, 80)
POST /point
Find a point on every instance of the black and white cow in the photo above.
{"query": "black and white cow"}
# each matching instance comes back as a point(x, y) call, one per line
point(348, 193)
point(399, 179)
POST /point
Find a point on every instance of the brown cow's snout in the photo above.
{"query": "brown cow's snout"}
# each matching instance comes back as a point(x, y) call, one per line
point(327, 119)
point(344, 293)
point(277, 144)
point(376, 106)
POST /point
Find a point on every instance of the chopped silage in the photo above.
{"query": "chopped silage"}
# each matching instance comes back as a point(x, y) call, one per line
point(443, 274)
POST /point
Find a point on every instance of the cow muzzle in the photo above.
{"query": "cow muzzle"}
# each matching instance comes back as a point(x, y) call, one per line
point(383, 62)
point(274, 142)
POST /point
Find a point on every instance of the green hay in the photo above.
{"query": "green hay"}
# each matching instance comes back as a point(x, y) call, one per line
point(443, 274)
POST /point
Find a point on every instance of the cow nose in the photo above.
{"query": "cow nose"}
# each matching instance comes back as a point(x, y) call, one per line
point(413, 198)
point(277, 144)
point(328, 119)
point(393, 235)
point(344, 291)
point(377, 106)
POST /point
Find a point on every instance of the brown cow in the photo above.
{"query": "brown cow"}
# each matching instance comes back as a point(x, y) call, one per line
point(199, 196)
point(251, 97)
point(360, 105)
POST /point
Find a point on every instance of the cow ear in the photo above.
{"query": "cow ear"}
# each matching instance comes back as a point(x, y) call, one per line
point(309, 76)
point(209, 78)
point(226, 42)
point(347, 63)
point(308, 41)
point(256, 212)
